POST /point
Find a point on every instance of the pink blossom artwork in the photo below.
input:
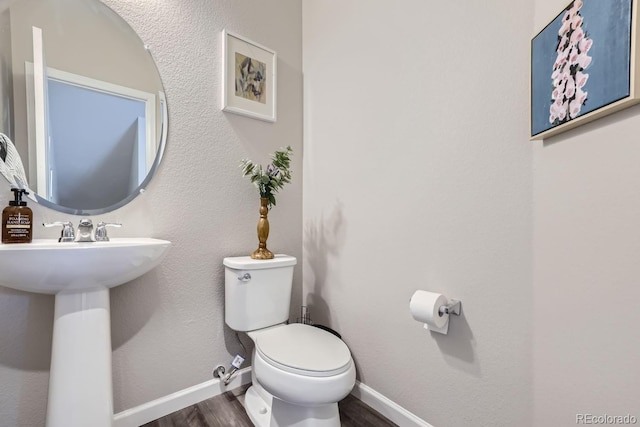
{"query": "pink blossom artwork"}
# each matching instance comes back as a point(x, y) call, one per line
point(569, 79)
point(583, 66)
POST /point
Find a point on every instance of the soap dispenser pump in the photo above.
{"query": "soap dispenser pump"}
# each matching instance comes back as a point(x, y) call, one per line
point(17, 219)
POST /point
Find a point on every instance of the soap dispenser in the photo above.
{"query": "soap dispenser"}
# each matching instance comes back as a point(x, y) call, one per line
point(17, 219)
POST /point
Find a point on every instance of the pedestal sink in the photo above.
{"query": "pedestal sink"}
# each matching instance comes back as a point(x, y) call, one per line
point(80, 275)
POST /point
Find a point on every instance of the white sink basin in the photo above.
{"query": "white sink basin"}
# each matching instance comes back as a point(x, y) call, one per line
point(48, 267)
point(80, 275)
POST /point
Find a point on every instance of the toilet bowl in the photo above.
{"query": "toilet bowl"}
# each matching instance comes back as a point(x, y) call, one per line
point(307, 370)
point(299, 371)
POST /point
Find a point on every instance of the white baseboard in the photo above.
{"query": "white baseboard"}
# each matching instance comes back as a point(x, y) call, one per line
point(386, 407)
point(158, 408)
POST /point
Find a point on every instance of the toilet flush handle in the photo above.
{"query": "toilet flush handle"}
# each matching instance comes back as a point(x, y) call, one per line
point(245, 277)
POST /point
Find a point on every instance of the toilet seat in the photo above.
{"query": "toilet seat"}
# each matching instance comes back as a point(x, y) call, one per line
point(303, 350)
point(303, 365)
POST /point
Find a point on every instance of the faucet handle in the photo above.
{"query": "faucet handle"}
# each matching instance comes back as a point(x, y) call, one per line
point(101, 230)
point(67, 234)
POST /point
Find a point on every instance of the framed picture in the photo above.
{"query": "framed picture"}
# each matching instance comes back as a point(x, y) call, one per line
point(583, 65)
point(248, 78)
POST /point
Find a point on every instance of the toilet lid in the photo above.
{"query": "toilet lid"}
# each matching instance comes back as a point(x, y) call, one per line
point(304, 348)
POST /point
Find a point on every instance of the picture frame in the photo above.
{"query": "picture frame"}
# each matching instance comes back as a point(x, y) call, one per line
point(583, 65)
point(249, 78)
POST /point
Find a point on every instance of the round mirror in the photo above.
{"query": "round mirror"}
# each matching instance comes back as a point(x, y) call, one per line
point(82, 101)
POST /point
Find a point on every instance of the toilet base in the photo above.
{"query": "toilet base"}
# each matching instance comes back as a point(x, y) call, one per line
point(264, 410)
point(258, 410)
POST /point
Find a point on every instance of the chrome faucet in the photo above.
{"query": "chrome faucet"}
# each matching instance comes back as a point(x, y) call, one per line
point(85, 231)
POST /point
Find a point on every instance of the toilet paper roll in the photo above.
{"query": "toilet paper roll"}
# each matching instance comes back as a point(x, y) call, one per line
point(425, 306)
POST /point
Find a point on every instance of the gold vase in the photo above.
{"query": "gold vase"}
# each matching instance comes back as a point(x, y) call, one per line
point(263, 232)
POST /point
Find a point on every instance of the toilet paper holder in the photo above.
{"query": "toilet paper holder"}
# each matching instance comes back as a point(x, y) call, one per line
point(452, 308)
point(433, 310)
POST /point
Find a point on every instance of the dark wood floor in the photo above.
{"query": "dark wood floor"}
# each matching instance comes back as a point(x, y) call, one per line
point(227, 410)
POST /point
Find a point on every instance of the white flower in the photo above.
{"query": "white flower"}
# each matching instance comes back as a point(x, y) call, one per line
point(568, 80)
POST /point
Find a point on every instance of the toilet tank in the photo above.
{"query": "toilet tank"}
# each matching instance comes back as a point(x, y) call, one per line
point(257, 292)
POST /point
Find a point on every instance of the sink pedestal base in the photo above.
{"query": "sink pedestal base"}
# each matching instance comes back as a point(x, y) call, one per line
point(80, 388)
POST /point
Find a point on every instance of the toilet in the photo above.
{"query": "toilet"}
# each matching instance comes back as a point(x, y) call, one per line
point(299, 372)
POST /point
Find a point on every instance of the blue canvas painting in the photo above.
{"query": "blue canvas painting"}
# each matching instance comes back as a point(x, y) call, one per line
point(580, 62)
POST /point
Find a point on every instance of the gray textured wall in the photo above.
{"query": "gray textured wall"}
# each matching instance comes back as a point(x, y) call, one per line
point(168, 327)
point(587, 246)
point(418, 176)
